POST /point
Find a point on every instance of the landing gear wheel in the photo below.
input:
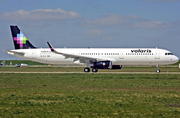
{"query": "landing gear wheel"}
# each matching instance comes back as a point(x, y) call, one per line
point(94, 70)
point(158, 71)
point(86, 70)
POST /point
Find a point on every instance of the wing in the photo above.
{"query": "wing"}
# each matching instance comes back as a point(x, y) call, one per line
point(81, 59)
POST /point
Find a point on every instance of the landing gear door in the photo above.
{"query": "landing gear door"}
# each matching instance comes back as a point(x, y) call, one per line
point(157, 54)
point(121, 55)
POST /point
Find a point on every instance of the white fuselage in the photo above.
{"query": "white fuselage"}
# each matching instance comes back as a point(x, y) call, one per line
point(118, 56)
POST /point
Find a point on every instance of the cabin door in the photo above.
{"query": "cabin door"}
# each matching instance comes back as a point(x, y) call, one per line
point(121, 55)
point(157, 54)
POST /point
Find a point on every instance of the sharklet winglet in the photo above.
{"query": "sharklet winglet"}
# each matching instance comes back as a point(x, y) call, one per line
point(50, 46)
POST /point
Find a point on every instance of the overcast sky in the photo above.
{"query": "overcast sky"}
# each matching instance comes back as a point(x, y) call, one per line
point(92, 23)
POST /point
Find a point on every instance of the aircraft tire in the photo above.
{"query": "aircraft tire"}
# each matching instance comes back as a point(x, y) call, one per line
point(94, 70)
point(86, 70)
point(158, 71)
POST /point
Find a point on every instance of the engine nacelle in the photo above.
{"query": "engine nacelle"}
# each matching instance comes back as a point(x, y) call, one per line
point(102, 65)
point(105, 65)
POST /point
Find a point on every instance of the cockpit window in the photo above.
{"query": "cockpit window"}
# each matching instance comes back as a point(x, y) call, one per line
point(168, 53)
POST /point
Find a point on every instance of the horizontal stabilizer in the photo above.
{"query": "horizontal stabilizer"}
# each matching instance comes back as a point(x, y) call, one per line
point(14, 51)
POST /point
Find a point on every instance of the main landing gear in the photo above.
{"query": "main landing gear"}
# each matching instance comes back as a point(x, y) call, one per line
point(94, 70)
point(158, 71)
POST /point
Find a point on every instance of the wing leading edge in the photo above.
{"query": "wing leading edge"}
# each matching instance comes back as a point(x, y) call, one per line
point(81, 59)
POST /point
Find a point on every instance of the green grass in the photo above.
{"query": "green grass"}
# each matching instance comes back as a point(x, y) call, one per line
point(22, 61)
point(89, 95)
point(81, 69)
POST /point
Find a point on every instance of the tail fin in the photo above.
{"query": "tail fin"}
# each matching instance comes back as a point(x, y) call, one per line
point(20, 41)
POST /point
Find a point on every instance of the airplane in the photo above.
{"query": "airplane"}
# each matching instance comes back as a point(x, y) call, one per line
point(95, 58)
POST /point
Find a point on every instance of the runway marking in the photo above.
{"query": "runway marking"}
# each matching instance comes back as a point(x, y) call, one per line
point(99, 72)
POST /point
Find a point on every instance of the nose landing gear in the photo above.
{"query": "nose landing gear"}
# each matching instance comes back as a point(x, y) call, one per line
point(158, 71)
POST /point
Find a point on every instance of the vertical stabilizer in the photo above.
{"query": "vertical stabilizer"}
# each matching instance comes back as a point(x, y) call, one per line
point(20, 40)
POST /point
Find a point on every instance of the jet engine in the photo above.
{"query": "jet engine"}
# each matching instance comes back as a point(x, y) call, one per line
point(105, 65)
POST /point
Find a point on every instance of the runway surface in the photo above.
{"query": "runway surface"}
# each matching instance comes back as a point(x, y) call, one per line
point(100, 72)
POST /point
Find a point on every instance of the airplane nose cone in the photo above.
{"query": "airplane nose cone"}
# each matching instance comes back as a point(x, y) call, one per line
point(176, 59)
